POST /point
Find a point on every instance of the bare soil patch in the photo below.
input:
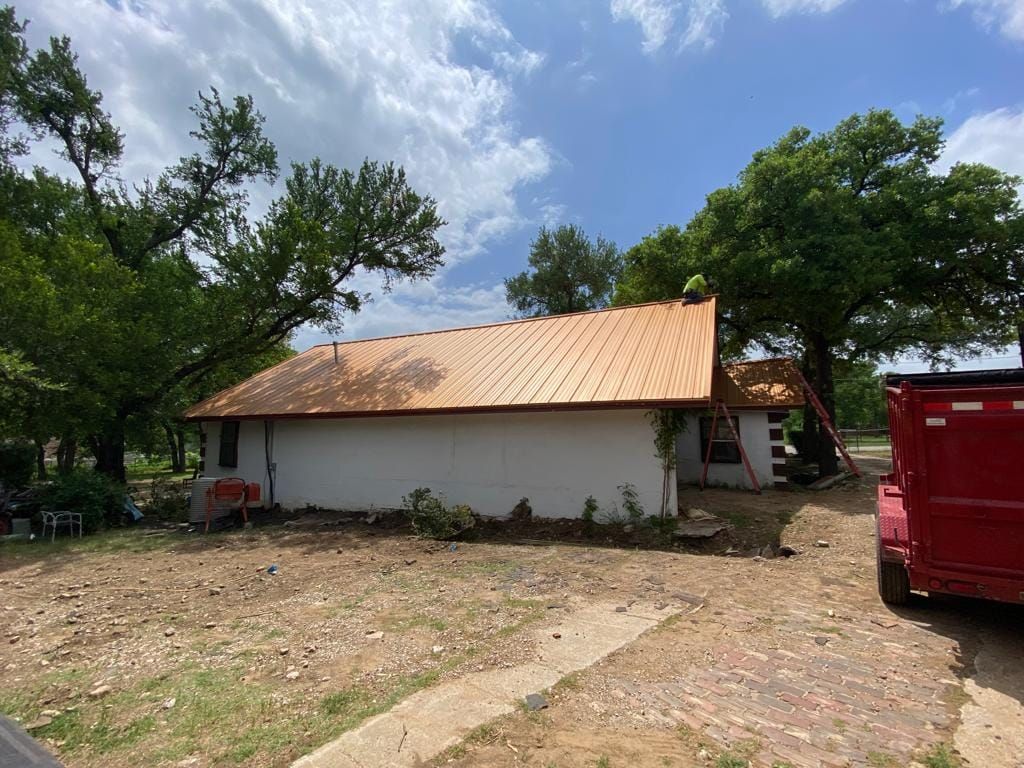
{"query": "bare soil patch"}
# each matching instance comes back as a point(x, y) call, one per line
point(202, 658)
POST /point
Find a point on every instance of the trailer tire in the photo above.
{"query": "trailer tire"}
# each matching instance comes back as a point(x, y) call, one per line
point(893, 583)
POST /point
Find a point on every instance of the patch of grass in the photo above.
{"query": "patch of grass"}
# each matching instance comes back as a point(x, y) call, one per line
point(343, 702)
point(839, 724)
point(268, 738)
point(454, 752)
point(404, 624)
point(482, 734)
point(940, 756)
point(781, 764)
point(603, 762)
point(489, 567)
point(738, 518)
point(746, 748)
point(571, 682)
point(102, 737)
point(103, 542)
point(882, 760)
point(729, 760)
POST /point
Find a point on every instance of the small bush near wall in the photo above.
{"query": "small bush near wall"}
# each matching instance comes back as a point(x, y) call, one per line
point(99, 499)
point(431, 518)
point(590, 509)
point(167, 501)
point(631, 502)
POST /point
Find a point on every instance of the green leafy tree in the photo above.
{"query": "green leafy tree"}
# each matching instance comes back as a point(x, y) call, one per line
point(860, 396)
point(568, 273)
point(139, 295)
point(848, 245)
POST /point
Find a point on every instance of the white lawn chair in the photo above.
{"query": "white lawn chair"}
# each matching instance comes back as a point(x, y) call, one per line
point(70, 519)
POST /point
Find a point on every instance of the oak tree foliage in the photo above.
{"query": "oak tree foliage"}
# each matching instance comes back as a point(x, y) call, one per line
point(132, 299)
point(568, 273)
point(850, 245)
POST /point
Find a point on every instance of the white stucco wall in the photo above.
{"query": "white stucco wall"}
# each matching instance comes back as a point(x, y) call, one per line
point(488, 461)
point(754, 433)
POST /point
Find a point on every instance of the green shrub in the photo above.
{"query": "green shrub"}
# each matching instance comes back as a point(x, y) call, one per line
point(665, 526)
point(631, 502)
point(431, 518)
point(99, 499)
point(17, 464)
point(941, 756)
point(166, 501)
point(590, 509)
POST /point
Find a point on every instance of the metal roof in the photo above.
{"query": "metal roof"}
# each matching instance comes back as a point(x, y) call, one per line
point(642, 355)
point(759, 384)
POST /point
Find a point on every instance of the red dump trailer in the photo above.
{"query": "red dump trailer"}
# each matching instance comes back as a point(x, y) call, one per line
point(951, 513)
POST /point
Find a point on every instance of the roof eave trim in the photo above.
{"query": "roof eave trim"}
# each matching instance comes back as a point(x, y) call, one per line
point(543, 408)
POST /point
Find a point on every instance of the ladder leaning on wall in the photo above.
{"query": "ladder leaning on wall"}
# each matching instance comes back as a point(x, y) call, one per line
point(721, 407)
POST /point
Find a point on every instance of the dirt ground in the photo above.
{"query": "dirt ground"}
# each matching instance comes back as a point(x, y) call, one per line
point(168, 649)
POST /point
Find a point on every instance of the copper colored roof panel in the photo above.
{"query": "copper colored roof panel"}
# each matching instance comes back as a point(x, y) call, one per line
point(759, 384)
point(642, 355)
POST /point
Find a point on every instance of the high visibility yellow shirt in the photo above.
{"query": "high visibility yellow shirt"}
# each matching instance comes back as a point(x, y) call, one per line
point(696, 284)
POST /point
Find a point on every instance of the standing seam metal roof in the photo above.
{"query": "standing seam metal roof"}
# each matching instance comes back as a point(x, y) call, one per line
point(641, 355)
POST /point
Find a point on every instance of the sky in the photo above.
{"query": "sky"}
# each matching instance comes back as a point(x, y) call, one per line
point(618, 116)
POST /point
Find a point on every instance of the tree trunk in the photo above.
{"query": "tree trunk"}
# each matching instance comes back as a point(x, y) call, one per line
point(66, 454)
point(108, 448)
point(824, 386)
point(172, 446)
point(40, 460)
point(179, 458)
point(808, 448)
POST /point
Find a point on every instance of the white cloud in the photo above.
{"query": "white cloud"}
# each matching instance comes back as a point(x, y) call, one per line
point(1007, 15)
point(523, 62)
point(950, 105)
point(655, 17)
point(704, 18)
point(995, 138)
point(338, 79)
point(420, 306)
point(782, 7)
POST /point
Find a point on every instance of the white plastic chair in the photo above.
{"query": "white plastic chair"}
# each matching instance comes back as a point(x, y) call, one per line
point(70, 519)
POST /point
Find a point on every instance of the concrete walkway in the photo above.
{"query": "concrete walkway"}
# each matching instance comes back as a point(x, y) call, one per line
point(430, 721)
point(991, 732)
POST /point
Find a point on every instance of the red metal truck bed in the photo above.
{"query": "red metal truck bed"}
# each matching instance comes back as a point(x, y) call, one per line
point(952, 512)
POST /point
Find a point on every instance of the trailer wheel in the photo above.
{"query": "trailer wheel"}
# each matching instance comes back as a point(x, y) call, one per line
point(893, 583)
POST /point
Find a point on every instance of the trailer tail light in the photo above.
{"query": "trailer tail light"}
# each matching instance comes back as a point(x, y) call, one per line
point(934, 584)
point(964, 587)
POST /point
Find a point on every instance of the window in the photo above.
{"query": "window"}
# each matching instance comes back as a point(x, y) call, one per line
point(723, 448)
point(228, 444)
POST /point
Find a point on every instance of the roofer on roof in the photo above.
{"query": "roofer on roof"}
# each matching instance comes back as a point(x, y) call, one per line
point(695, 289)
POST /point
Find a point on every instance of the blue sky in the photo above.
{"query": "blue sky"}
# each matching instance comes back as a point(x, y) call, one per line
point(618, 115)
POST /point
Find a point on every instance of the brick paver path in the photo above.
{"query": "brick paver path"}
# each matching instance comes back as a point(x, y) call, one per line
point(841, 692)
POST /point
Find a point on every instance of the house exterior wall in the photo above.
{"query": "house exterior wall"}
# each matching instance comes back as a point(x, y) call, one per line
point(488, 461)
point(758, 436)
